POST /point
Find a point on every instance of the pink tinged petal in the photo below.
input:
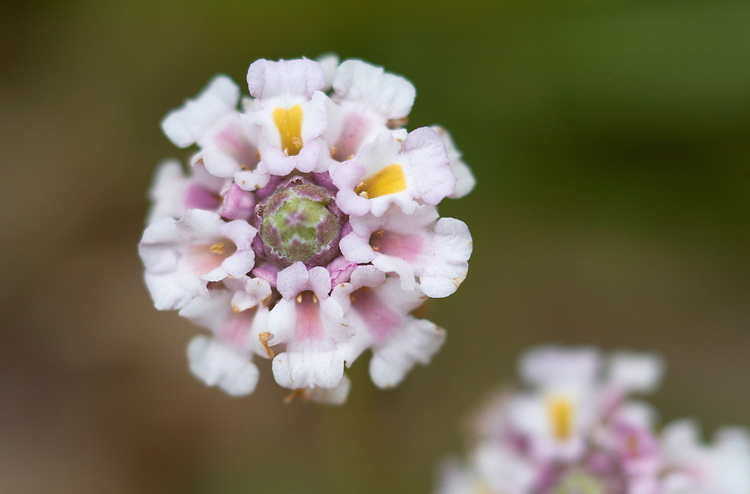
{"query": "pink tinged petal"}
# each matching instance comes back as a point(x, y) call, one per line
point(206, 260)
point(416, 343)
point(392, 294)
point(238, 204)
point(198, 197)
point(306, 319)
point(375, 306)
point(465, 180)
point(380, 319)
point(340, 270)
point(308, 324)
point(183, 255)
point(234, 263)
point(355, 127)
point(236, 329)
point(266, 79)
point(396, 174)
point(230, 147)
point(400, 243)
point(638, 450)
point(312, 330)
point(188, 124)
point(202, 176)
point(267, 272)
point(404, 246)
point(169, 278)
point(218, 364)
point(390, 95)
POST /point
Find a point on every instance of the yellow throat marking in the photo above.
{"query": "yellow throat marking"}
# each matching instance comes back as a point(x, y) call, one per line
point(218, 248)
point(289, 123)
point(561, 417)
point(389, 180)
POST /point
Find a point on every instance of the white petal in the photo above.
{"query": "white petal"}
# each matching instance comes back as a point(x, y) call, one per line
point(218, 364)
point(188, 124)
point(167, 191)
point(171, 292)
point(444, 267)
point(465, 180)
point(292, 280)
point(210, 311)
point(434, 179)
point(639, 372)
point(309, 367)
point(416, 343)
point(389, 94)
point(550, 365)
point(302, 77)
point(332, 396)
point(329, 62)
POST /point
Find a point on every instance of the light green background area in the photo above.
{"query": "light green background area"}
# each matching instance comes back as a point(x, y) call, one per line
point(611, 143)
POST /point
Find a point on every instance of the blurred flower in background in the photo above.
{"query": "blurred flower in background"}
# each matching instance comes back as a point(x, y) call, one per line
point(577, 429)
point(306, 229)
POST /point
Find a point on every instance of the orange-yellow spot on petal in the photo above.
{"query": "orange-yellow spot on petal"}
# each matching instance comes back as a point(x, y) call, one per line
point(297, 394)
point(561, 417)
point(289, 123)
point(389, 180)
point(218, 248)
point(263, 338)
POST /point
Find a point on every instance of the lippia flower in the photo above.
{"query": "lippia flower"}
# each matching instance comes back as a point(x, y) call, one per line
point(577, 430)
point(305, 229)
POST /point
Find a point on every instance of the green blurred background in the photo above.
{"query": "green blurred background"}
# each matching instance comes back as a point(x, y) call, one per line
point(611, 143)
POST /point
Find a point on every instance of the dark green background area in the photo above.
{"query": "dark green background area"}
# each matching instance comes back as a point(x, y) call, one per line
point(611, 143)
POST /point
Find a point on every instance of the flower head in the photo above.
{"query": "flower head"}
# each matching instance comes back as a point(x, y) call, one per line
point(576, 430)
point(306, 229)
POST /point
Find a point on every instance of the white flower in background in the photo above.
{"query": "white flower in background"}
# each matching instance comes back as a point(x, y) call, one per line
point(305, 229)
point(576, 429)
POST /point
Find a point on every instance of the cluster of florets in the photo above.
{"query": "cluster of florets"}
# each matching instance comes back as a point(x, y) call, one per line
point(306, 229)
point(577, 431)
